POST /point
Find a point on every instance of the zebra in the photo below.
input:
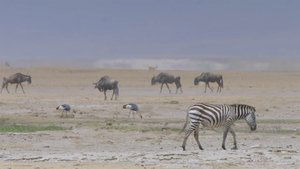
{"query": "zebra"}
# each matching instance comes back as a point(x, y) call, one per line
point(213, 116)
point(207, 77)
point(165, 78)
point(17, 78)
point(64, 108)
point(106, 83)
point(133, 109)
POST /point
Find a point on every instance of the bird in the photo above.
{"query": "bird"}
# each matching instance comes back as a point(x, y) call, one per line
point(133, 109)
point(64, 108)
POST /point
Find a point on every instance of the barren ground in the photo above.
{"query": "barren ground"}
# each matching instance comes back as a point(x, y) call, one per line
point(100, 135)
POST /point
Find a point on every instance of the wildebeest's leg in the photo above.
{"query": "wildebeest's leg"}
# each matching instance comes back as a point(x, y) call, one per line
point(2, 88)
point(224, 137)
point(161, 87)
point(104, 94)
point(196, 135)
point(16, 87)
point(112, 96)
point(219, 88)
point(234, 138)
point(6, 87)
point(168, 87)
point(205, 87)
point(22, 88)
point(187, 134)
point(210, 87)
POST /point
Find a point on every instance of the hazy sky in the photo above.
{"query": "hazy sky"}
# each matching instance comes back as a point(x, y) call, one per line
point(74, 30)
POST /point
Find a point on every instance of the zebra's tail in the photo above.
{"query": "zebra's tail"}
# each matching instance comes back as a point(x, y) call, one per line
point(186, 122)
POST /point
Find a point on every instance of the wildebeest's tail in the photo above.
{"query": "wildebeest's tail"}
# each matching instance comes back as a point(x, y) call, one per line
point(117, 88)
point(186, 122)
point(221, 81)
point(177, 82)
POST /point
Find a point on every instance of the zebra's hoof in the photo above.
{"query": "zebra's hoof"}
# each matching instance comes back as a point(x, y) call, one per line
point(201, 148)
point(183, 148)
point(223, 147)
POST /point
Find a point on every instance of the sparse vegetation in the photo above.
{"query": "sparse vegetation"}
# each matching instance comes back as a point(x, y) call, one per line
point(18, 128)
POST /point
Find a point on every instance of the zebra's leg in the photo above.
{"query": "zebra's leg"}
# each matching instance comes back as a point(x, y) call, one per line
point(168, 87)
point(16, 87)
point(196, 135)
point(234, 138)
point(205, 87)
point(187, 134)
point(224, 137)
point(161, 87)
point(22, 88)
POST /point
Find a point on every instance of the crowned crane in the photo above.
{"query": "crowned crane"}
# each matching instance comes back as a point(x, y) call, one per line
point(133, 109)
point(64, 108)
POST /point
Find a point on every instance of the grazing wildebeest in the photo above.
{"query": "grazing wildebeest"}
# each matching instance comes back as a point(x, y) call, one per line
point(17, 78)
point(165, 78)
point(106, 83)
point(207, 77)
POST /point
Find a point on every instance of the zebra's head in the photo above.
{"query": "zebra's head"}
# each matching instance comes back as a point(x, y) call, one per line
point(153, 80)
point(251, 119)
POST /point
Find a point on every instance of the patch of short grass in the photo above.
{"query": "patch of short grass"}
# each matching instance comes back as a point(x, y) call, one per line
point(19, 128)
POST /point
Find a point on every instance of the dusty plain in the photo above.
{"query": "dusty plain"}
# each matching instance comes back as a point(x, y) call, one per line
point(99, 134)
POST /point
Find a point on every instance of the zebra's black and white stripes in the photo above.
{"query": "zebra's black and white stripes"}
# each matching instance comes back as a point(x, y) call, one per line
point(213, 116)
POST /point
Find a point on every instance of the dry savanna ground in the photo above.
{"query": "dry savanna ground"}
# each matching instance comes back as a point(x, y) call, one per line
point(98, 133)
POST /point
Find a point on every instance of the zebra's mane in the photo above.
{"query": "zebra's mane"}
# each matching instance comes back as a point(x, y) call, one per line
point(236, 105)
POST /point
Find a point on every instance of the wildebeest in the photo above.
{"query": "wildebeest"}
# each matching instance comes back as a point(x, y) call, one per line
point(207, 77)
point(17, 78)
point(106, 83)
point(165, 78)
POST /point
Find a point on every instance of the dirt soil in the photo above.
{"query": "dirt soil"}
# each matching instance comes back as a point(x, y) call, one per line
point(99, 134)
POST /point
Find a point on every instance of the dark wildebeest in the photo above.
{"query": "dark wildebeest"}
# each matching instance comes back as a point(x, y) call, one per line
point(17, 78)
point(165, 78)
point(207, 77)
point(106, 83)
